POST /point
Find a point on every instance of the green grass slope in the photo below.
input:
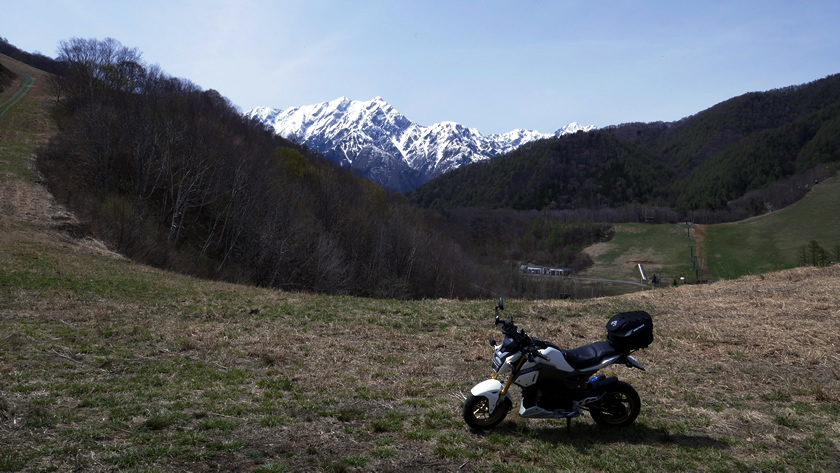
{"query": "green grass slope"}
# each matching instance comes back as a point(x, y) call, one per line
point(661, 249)
point(773, 241)
point(770, 242)
point(108, 365)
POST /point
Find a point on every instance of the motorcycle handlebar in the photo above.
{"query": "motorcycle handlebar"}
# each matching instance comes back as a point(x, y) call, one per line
point(510, 329)
point(532, 352)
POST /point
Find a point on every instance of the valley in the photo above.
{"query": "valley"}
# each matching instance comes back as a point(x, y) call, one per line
point(112, 365)
point(770, 242)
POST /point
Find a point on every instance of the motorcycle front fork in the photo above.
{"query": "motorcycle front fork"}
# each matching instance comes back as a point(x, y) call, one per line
point(513, 373)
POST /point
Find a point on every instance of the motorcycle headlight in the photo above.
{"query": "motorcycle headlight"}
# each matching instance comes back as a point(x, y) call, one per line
point(498, 360)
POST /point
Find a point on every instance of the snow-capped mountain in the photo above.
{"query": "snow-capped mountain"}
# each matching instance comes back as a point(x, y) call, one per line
point(386, 147)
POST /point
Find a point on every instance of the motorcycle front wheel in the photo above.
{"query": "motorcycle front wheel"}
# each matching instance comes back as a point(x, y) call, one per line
point(477, 412)
point(619, 407)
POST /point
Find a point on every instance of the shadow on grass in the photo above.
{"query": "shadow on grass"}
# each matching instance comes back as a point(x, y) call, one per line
point(582, 436)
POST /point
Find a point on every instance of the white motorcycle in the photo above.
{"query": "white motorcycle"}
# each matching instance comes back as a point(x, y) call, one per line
point(558, 383)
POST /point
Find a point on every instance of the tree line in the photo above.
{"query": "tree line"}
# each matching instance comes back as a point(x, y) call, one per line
point(37, 60)
point(813, 254)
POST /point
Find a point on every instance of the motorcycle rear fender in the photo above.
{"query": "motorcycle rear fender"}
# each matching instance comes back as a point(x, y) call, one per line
point(490, 389)
point(603, 364)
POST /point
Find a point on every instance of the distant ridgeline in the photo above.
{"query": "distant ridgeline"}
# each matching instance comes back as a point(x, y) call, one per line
point(735, 159)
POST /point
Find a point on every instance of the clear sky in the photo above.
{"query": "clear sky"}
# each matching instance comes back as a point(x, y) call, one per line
point(491, 65)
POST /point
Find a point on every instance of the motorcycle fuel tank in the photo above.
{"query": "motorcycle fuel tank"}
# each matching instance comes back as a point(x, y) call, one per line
point(556, 359)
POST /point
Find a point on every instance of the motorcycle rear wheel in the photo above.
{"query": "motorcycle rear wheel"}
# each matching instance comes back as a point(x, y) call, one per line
point(477, 412)
point(619, 407)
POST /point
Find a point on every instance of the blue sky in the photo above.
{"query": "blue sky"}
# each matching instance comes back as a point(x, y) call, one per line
point(491, 65)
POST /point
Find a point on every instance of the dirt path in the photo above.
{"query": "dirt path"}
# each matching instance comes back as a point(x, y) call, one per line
point(21, 91)
point(700, 242)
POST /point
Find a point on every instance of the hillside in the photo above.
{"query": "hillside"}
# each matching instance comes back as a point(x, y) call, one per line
point(775, 240)
point(25, 125)
point(174, 176)
point(732, 160)
point(110, 365)
point(770, 242)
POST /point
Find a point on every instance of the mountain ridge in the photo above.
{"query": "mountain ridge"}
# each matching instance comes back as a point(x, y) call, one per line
point(380, 143)
point(735, 159)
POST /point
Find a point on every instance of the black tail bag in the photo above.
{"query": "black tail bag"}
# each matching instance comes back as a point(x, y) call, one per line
point(630, 330)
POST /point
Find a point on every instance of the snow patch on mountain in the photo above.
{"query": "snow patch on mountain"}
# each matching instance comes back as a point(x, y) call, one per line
point(380, 143)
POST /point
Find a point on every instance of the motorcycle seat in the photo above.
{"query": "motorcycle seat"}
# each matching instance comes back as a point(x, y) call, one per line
point(589, 355)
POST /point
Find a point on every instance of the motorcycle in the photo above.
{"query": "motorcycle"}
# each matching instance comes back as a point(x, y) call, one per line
point(558, 383)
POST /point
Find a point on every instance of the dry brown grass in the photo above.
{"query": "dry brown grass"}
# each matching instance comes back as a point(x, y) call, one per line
point(321, 383)
point(766, 336)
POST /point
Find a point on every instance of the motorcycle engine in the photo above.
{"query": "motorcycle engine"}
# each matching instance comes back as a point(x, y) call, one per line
point(550, 396)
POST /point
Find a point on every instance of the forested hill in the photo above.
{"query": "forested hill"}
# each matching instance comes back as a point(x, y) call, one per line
point(747, 152)
point(175, 176)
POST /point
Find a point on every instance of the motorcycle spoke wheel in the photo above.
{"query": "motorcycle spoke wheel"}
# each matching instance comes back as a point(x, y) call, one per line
point(477, 412)
point(619, 407)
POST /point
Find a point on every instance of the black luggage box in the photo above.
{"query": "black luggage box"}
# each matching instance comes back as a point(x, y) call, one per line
point(630, 330)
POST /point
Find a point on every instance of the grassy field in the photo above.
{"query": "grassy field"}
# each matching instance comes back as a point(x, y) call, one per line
point(665, 250)
point(111, 366)
point(770, 242)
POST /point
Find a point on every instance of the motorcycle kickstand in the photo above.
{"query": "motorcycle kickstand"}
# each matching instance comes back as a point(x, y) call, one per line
point(568, 426)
